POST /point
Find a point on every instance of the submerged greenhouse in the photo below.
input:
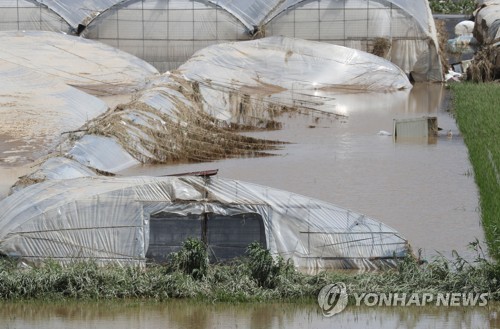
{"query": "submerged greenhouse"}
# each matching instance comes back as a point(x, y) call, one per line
point(167, 32)
point(130, 220)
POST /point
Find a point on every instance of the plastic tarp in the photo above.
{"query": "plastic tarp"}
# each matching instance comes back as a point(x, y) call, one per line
point(288, 63)
point(61, 168)
point(184, 115)
point(88, 65)
point(108, 219)
point(247, 80)
point(487, 25)
point(52, 169)
point(26, 15)
point(35, 109)
point(39, 71)
point(101, 153)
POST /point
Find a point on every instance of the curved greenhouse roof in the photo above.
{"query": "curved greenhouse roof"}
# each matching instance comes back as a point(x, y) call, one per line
point(132, 219)
point(167, 32)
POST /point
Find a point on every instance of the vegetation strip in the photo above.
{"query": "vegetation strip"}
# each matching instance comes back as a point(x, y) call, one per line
point(478, 118)
point(453, 6)
point(258, 277)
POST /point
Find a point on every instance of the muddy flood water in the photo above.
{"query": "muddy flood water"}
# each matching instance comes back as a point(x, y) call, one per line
point(188, 315)
point(423, 188)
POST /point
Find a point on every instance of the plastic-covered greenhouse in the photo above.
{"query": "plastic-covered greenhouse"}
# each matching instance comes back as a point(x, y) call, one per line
point(167, 32)
point(130, 220)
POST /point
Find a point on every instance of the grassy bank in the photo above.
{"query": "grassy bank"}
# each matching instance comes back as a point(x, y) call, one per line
point(478, 118)
point(255, 278)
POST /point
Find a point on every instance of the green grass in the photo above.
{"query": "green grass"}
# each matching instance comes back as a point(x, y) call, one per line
point(255, 278)
point(477, 113)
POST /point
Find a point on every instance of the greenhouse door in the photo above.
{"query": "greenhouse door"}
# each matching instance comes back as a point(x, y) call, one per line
point(229, 236)
point(167, 232)
point(226, 236)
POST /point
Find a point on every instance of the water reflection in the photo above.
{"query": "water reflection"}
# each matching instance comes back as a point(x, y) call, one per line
point(185, 314)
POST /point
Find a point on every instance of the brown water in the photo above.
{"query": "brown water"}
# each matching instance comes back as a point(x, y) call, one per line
point(181, 314)
point(423, 189)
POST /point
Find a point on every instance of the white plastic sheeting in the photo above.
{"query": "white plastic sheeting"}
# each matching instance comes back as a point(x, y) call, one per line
point(255, 13)
point(35, 108)
point(286, 71)
point(26, 15)
point(61, 168)
point(52, 169)
point(245, 83)
point(166, 33)
point(487, 26)
point(108, 219)
point(77, 12)
point(92, 66)
point(250, 13)
point(464, 28)
point(287, 63)
point(101, 153)
point(39, 71)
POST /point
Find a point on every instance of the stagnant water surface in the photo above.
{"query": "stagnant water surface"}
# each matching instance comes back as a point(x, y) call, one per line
point(424, 189)
point(187, 315)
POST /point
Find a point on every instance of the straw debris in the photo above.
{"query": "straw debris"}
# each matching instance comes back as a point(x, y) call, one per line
point(482, 68)
point(442, 42)
point(381, 47)
point(182, 132)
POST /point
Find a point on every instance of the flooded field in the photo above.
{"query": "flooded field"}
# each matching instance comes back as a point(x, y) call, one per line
point(423, 188)
point(181, 314)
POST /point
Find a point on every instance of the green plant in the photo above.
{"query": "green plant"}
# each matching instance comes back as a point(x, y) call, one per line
point(477, 114)
point(264, 268)
point(452, 6)
point(192, 259)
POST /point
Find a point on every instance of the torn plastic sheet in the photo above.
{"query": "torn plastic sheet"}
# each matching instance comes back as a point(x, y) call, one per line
point(108, 220)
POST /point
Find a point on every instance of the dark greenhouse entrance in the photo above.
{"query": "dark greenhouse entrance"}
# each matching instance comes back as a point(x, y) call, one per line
point(227, 237)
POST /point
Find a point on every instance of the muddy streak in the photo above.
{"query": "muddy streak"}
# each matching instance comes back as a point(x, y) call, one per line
point(181, 314)
point(423, 190)
point(9, 175)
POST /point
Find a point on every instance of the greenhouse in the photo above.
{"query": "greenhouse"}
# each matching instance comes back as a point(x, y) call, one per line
point(49, 92)
point(166, 33)
point(132, 220)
